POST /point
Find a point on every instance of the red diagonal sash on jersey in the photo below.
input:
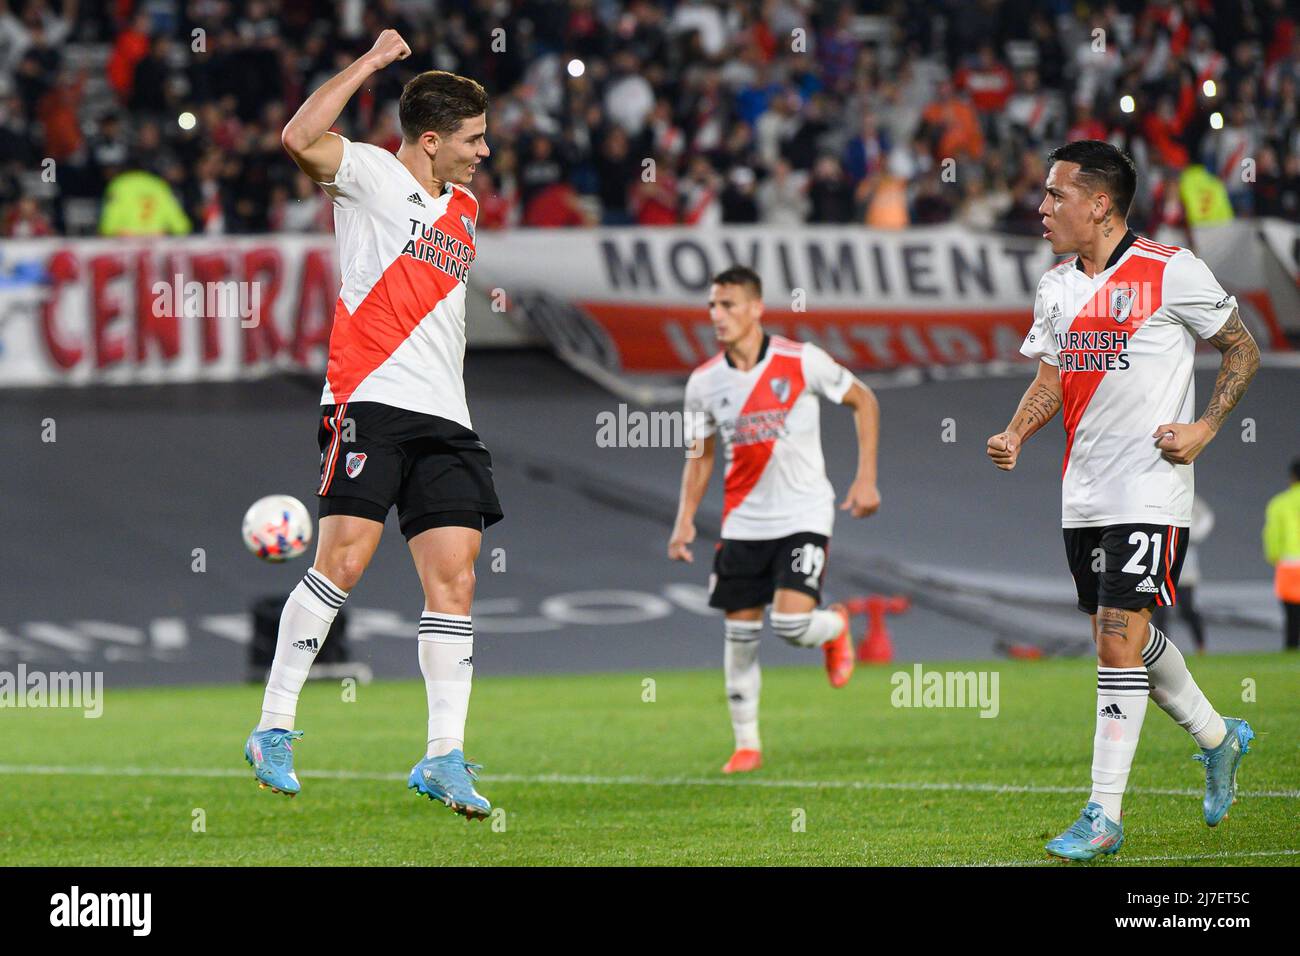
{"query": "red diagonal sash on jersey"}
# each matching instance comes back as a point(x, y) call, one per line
point(749, 460)
point(408, 290)
point(1077, 387)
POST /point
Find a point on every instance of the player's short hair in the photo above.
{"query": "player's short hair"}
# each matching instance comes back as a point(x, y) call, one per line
point(740, 275)
point(439, 101)
point(1103, 168)
point(1295, 470)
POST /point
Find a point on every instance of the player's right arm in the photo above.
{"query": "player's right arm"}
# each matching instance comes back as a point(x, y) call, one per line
point(1043, 398)
point(307, 137)
point(695, 481)
point(1041, 401)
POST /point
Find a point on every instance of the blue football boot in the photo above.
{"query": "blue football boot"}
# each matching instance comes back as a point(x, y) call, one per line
point(450, 778)
point(270, 754)
point(1221, 765)
point(1092, 835)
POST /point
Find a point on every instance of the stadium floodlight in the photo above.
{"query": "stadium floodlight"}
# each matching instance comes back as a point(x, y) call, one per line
point(1126, 104)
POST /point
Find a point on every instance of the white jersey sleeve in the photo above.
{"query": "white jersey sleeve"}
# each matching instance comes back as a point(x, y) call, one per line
point(363, 172)
point(1040, 343)
point(699, 420)
point(825, 376)
point(1194, 297)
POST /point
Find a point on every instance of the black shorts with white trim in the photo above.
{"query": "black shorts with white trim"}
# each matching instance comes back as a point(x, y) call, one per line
point(1130, 566)
point(374, 456)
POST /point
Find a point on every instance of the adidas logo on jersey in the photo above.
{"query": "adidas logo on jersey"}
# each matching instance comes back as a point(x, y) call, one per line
point(1147, 586)
point(415, 198)
point(311, 644)
point(1112, 711)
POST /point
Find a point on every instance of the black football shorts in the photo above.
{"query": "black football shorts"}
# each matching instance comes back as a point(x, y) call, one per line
point(1130, 566)
point(374, 456)
point(747, 574)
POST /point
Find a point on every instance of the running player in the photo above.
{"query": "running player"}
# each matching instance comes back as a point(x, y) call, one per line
point(761, 393)
point(394, 427)
point(1114, 333)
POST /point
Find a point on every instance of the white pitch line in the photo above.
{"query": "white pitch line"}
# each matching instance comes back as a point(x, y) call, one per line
point(626, 781)
point(1153, 859)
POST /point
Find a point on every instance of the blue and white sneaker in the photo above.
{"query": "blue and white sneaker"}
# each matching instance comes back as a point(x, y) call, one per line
point(450, 778)
point(270, 754)
point(1221, 765)
point(1092, 835)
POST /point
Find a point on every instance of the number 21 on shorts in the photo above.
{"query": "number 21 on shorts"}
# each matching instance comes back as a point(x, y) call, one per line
point(1143, 540)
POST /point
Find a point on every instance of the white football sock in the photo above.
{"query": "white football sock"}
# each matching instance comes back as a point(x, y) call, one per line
point(447, 663)
point(304, 624)
point(1122, 694)
point(811, 629)
point(744, 680)
point(1176, 692)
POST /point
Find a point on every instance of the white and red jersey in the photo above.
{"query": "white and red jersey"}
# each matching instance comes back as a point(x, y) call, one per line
point(404, 256)
point(770, 423)
point(1124, 341)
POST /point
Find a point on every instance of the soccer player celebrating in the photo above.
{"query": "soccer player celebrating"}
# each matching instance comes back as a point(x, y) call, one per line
point(761, 393)
point(1114, 332)
point(394, 427)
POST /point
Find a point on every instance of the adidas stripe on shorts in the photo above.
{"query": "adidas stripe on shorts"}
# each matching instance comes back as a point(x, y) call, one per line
point(1131, 566)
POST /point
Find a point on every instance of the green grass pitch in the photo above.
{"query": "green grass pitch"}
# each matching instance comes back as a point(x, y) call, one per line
point(587, 772)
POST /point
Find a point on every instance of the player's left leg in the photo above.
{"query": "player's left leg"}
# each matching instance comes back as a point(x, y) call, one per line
point(797, 620)
point(800, 569)
point(1223, 740)
point(444, 556)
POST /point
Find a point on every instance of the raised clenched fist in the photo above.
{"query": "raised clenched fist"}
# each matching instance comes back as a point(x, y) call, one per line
point(389, 47)
point(1004, 449)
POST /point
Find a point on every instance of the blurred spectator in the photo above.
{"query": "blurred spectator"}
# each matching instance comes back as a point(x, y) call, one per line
point(884, 196)
point(24, 220)
point(616, 169)
point(701, 194)
point(1086, 125)
point(739, 199)
point(496, 209)
point(830, 192)
point(866, 152)
point(982, 204)
point(654, 202)
point(1032, 114)
point(955, 124)
point(629, 98)
point(1282, 550)
point(138, 203)
point(783, 197)
point(130, 47)
point(736, 108)
point(58, 112)
point(557, 205)
point(987, 81)
point(931, 205)
point(1204, 197)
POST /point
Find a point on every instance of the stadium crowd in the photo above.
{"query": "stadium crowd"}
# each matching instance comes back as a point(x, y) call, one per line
point(623, 112)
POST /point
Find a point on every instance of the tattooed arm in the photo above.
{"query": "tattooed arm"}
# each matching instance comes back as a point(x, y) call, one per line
point(1239, 364)
point(1040, 402)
